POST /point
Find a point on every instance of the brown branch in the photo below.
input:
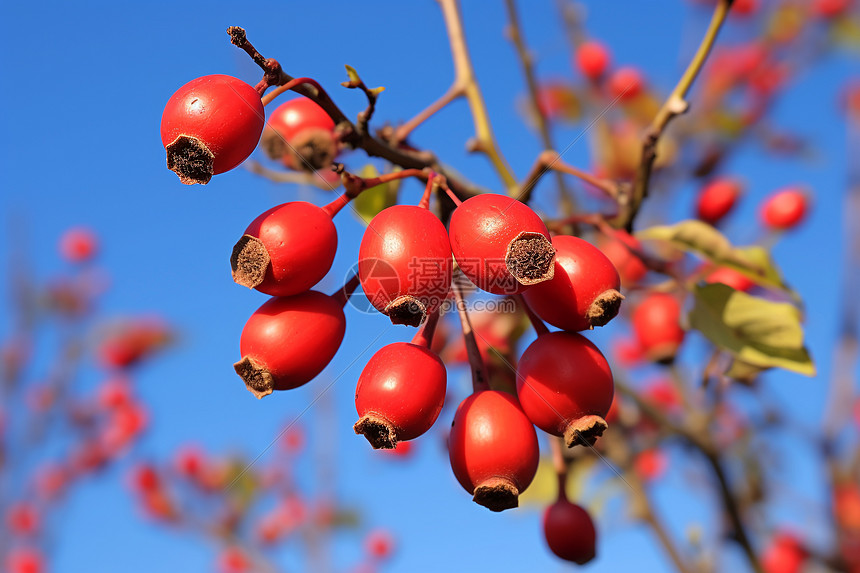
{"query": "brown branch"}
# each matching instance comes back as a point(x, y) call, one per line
point(480, 378)
point(551, 161)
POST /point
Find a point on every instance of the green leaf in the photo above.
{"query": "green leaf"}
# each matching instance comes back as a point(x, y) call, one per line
point(353, 75)
point(544, 487)
point(757, 331)
point(371, 201)
point(705, 241)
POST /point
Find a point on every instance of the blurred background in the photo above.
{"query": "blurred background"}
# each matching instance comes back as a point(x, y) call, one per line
point(85, 89)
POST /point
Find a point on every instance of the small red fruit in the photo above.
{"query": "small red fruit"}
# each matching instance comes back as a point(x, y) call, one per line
point(493, 449)
point(565, 386)
point(289, 340)
point(301, 134)
point(399, 394)
point(731, 277)
point(584, 291)
point(625, 84)
point(784, 209)
point(592, 60)
point(500, 244)
point(78, 245)
point(234, 560)
point(24, 561)
point(209, 126)
point(717, 199)
point(286, 250)
point(145, 479)
point(630, 268)
point(114, 393)
point(404, 263)
point(569, 532)
point(656, 323)
point(650, 464)
point(830, 8)
point(379, 544)
point(745, 7)
point(190, 462)
point(22, 519)
point(785, 554)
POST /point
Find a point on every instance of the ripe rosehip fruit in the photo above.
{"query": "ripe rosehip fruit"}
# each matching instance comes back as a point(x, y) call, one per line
point(830, 8)
point(286, 250)
point(23, 560)
point(584, 291)
point(301, 134)
point(592, 60)
point(399, 394)
point(404, 263)
point(565, 386)
point(785, 554)
point(493, 449)
point(656, 323)
point(234, 560)
point(745, 7)
point(569, 532)
point(78, 245)
point(379, 544)
point(209, 126)
point(717, 199)
point(500, 244)
point(784, 209)
point(731, 277)
point(289, 340)
point(630, 268)
point(625, 84)
point(22, 518)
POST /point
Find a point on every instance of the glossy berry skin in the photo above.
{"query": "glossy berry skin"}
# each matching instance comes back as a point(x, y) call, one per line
point(301, 134)
point(493, 449)
point(565, 386)
point(487, 232)
point(286, 250)
point(656, 324)
point(717, 199)
point(784, 209)
point(569, 532)
point(630, 268)
point(289, 340)
point(625, 84)
point(583, 274)
point(399, 394)
point(404, 263)
point(292, 117)
point(592, 60)
point(221, 113)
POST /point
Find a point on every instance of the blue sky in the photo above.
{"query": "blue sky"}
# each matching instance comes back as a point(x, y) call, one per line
point(84, 89)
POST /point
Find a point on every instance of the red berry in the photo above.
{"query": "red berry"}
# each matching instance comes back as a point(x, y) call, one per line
point(656, 323)
point(234, 560)
point(830, 8)
point(625, 84)
point(286, 250)
point(124, 425)
point(190, 462)
point(592, 60)
point(114, 393)
point(493, 449)
point(145, 478)
point(404, 263)
point(731, 277)
point(650, 464)
point(630, 268)
point(22, 519)
point(209, 126)
point(399, 394)
point(569, 532)
point(379, 544)
point(583, 293)
point(78, 244)
point(301, 134)
point(716, 199)
point(785, 554)
point(50, 481)
point(289, 340)
point(565, 386)
point(745, 7)
point(24, 561)
point(500, 244)
point(784, 209)
point(294, 440)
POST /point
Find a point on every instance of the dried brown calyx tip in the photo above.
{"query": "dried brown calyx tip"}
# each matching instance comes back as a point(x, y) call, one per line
point(497, 494)
point(605, 307)
point(257, 378)
point(531, 258)
point(584, 431)
point(378, 431)
point(249, 261)
point(311, 150)
point(406, 310)
point(189, 158)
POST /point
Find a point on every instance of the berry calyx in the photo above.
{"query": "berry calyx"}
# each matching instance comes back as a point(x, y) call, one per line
point(569, 532)
point(592, 60)
point(784, 209)
point(400, 392)
point(584, 290)
point(289, 340)
point(301, 135)
point(656, 324)
point(493, 449)
point(500, 244)
point(404, 263)
point(565, 387)
point(717, 199)
point(286, 250)
point(209, 126)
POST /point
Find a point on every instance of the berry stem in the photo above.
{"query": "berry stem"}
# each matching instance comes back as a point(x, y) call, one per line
point(480, 379)
point(453, 197)
point(559, 465)
point(424, 337)
point(343, 294)
point(291, 84)
point(551, 161)
point(432, 183)
point(537, 323)
point(354, 185)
